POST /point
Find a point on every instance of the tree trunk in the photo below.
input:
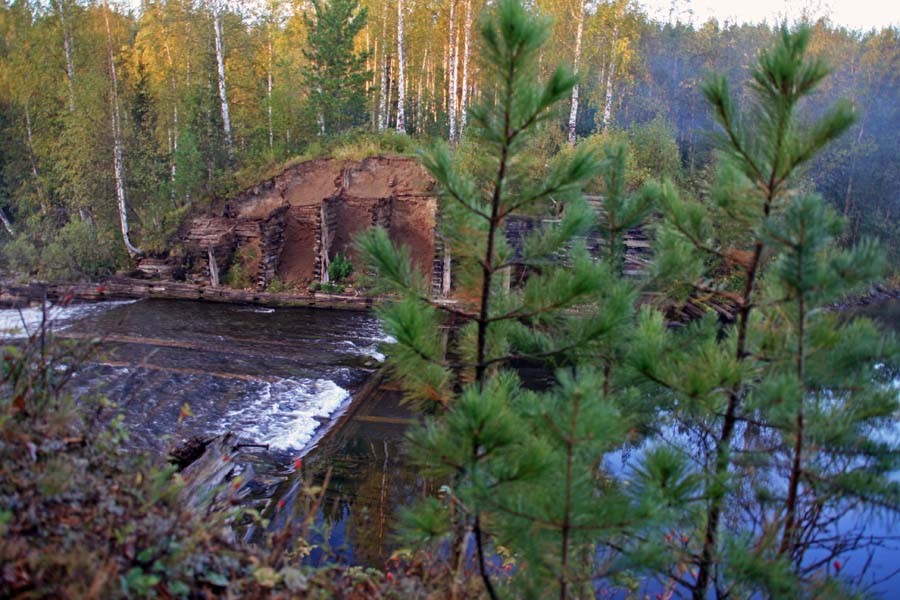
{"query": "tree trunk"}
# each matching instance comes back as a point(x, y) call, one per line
point(382, 98)
point(67, 47)
point(390, 92)
point(269, 91)
point(451, 89)
point(376, 118)
point(174, 146)
point(610, 80)
point(213, 268)
point(573, 112)
point(465, 77)
point(401, 83)
point(6, 224)
point(118, 156)
point(223, 91)
point(33, 158)
point(420, 111)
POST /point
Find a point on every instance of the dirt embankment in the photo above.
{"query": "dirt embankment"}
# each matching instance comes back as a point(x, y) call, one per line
point(294, 224)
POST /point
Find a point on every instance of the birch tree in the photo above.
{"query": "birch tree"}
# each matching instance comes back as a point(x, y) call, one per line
point(218, 8)
point(576, 64)
point(610, 80)
point(68, 48)
point(401, 67)
point(451, 89)
point(118, 154)
point(385, 59)
point(465, 77)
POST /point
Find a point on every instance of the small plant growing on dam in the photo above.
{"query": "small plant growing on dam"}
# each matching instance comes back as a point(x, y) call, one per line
point(340, 269)
point(771, 423)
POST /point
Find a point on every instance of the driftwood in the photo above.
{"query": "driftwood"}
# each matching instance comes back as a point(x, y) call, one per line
point(209, 471)
point(189, 451)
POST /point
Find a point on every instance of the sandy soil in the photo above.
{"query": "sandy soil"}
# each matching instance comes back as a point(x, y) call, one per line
point(297, 263)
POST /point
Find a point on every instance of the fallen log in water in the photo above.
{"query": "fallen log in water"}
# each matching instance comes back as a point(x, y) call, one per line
point(212, 478)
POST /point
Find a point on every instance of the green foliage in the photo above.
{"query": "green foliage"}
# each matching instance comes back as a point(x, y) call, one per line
point(656, 153)
point(189, 168)
point(76, 250)
point(340, 269)
point(277, 286)
point(243, 268)
point(336, 76)
point(520, 466)
point(326, 287)
point(784, 401)
point(771, 423)
point(160, 221)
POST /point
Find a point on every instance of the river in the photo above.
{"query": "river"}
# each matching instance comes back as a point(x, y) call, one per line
point(279, 377)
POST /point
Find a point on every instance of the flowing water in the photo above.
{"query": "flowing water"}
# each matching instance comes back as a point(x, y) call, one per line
point(272, 376)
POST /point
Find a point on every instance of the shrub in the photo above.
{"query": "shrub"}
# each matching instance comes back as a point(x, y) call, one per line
point(277, 286)
point(240, 273)
point(340, 269)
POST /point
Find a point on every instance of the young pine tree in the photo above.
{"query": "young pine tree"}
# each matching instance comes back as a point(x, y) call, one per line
point(336, 76)
point(782, 409)
point(523, 468)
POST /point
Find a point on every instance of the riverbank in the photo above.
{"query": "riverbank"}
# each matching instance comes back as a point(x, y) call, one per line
point(881, 292)
point(14, 295)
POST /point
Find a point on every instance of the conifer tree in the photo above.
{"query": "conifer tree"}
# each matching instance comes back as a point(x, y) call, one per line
point(336, 77)
point(523, 467)
point(783, 407)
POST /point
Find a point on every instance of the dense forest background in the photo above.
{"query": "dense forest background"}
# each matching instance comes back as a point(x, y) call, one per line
point(116, 119)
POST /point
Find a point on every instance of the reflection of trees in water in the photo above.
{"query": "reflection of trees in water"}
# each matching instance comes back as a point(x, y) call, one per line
point(370, 481)
point(834, 531)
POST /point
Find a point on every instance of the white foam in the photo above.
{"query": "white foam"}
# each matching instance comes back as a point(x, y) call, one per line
point(20, 323)
point(283, 414)
point(377, 335)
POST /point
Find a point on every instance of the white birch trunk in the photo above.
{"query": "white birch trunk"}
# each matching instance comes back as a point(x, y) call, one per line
point(320, 117)
point(573, 112)
point(174, 130)
point(610, 80)
point(269, 92)
point(451, 90)
point(401, 67)
point(33, 157)
point(223, 90)
point(382, 98)
point(420, 111)
point(376, 118)
point(118, 156)
point(390, 92)
point(6, 224)
point(465, 78)
point(67, 47)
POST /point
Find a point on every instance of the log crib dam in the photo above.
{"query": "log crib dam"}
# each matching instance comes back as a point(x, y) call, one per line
point(293, 225)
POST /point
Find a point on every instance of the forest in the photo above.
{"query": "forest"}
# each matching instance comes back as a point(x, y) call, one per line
point(117, 118)
point(560, 429)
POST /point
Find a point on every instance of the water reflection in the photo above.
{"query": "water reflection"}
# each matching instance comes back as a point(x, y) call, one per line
point(370, 479)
